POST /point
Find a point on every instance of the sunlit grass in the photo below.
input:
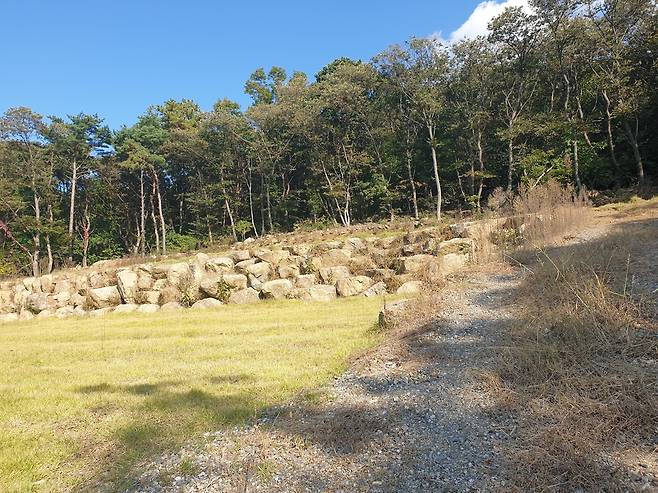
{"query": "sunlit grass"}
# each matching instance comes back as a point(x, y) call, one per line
point(83, 401)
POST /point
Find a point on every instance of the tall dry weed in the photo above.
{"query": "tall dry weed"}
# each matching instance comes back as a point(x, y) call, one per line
point(581, 372)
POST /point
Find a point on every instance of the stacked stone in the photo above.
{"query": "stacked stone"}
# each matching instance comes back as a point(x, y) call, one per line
point(370, 266)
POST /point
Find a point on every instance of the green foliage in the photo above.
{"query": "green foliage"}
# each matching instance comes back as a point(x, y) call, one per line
point(181, 243)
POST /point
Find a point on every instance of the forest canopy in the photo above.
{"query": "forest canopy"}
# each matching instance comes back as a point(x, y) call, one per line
point(567, 92)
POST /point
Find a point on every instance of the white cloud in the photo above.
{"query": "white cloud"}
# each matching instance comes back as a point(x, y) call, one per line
point(479, 19)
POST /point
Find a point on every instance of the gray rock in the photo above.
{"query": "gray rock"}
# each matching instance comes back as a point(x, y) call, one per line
point(318, 292)
point(237, 281)
point(148, 308)
point(244, 296)
point(107, 296)
point(277, 289)
point(37, 302)
point(128, 308)
point(127, 284)
point(331, 275)
point(410, 287)
point(376, 289)
point(171, 306)
point(305, 280)
point(220, 264)
point(206, 304)
point(352, 286)
point(260, 271)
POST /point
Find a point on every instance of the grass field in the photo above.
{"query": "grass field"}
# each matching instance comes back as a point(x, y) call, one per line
point(83, 401)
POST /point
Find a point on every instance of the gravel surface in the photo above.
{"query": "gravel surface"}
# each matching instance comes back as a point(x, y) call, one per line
point(412, 415)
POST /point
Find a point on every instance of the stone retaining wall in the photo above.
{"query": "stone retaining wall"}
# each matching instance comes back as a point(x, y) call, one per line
point(355, 266)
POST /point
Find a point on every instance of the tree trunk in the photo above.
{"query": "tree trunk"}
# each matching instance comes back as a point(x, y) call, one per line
point(510, 160)
point(74, 186)
point(414, 195)
point(268, 204)
point(435, 165)
point(611, 142)
point(576, 165)
point(49, 248)
point(162, 220)
point(154, 220)
point(142, 218)
point(632, 139)
point(251, 204)
point(36, 269)
point(481, 162)
point(230, 217)
point(86, 233)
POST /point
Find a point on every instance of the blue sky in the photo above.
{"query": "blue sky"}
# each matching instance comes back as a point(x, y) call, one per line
point(115, 58)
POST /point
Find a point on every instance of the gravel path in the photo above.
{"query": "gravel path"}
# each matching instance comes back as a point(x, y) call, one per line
point(411, 416)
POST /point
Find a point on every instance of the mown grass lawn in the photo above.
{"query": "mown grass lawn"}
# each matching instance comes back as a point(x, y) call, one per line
point(83, 401)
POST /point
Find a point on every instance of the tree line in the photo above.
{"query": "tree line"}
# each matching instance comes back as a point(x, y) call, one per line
point(566, 92)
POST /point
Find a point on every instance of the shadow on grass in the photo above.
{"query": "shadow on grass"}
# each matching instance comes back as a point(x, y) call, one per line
point(162, 420)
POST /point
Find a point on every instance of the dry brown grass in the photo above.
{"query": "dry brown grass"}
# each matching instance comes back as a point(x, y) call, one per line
point(580, 372)
point(535, 216)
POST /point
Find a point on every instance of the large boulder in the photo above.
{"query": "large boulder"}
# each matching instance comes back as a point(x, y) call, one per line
point(355, 243)
point(215, 287)
point(302, 249)
point(331, 275)
point(148, 308)
point(277, 289)
point(352, 286)
point(391, 312)
point(335, 257)
point(220, 264)
point(244, 264)
point(50, 312)
point(260, 271)
point(96, 280)
point(239, 255)
point(410, 287)
point(179, 275)
point(243, 296)
point(376, 289)
point(150, 297)
point(318, 292)
point(25, 315)
point(206, 303)
point(62, 299)
point(127, 285)
point(37, 302)
point(145, 280)
point(416, 263)
point(47, 284)
point(169, 294)
point(32, 284)
point(286, 271)
point(452, 262)
point(107, 296)
point(100, 312)
point(273, 257)
point(127, 308)
point(305, 280)
point(78, 300)
point(8, 317)
point(236, 281)
point(63, 286)
point(461, 246)
point(66, 311)
point(171, 306)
